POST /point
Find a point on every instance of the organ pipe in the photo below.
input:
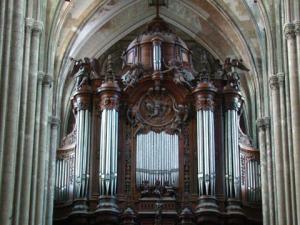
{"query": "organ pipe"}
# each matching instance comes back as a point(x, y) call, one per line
point(233, 102)
point(108, 150)
point(232, 175)
point(82, 152)
point(157, 158)
point(63, 177)
point(157, 56)
point(206, 172)
point(253, 181)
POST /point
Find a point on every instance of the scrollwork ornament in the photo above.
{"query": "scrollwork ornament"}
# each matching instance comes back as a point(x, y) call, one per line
point(289, 31)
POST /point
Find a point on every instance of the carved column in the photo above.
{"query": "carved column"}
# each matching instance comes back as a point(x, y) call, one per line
point(82, 106)
point(232, 103)
point(274, 85)
point(204, 94)
point(289, 30)
point(109, 93)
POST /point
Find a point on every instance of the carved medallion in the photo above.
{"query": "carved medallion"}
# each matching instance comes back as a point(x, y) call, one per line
point(157, 110)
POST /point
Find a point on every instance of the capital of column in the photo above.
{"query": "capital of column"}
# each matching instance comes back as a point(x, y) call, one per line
point(281, 78)
point(29, 23)
point(109, 95)
point(41, 75)
point(274, 82)
point(38, 26)
point(82, 99)
point(47, 80)
point(54, 121)
point(289, 30)
point(297, 27)
point(204, 96)
point(233, 98)
point(263, 122)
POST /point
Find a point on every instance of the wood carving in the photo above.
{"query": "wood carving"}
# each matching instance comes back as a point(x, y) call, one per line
point(157, 111)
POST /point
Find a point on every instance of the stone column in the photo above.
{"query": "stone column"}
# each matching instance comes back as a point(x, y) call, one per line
point(2, 32)
point(288, 173)
point(82, 105)
point(11, 109)
point(5, 65)
point(22, 125)
point(30, 123)
point(289, 30)
point(271, 187)
point(204, 95)
point(51, 176)
point(43, 133)
point(36, 149)
point(232, 103)
point(279, 170)
point(297, 32)
point(261, 123)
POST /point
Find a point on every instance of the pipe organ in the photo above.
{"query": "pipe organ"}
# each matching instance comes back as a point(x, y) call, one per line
point(157, 142)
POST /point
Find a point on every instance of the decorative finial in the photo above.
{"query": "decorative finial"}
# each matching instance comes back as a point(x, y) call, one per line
point(110, 76)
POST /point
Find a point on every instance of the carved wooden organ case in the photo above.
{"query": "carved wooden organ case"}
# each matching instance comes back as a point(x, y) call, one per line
point(158, 143)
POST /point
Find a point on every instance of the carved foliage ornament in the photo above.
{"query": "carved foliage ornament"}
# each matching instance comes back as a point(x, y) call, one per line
point(81, 101)
point(204, 103)
point(110, 94)
point(109, 101)
point(157, 111)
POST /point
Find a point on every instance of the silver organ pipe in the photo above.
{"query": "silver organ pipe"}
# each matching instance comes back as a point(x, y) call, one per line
point(253, 181)
point(82, 153)
point(108, 152)
point(232, 176)
point(158, 154)
point(206, 152)
point(157, 57)
point(64, 175)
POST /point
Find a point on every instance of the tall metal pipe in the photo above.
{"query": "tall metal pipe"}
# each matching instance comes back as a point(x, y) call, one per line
point(108, 149)
point(233, 103)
